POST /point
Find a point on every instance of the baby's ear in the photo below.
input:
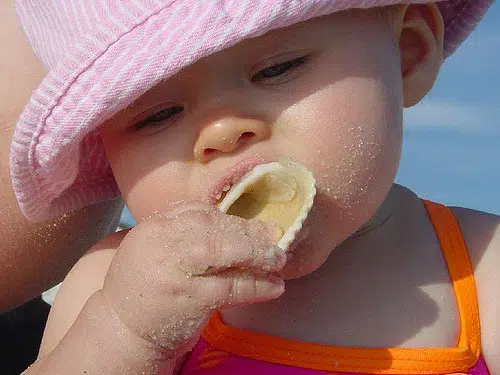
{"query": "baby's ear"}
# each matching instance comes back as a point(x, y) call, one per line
point(420, 29)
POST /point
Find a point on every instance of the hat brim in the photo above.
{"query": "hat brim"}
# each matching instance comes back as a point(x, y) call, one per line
point(58, 163)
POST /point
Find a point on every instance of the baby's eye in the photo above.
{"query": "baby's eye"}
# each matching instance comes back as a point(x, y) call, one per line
point(159, 118)
point(276, 73)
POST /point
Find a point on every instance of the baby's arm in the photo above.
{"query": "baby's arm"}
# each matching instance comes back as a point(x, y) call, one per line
point(91, 345)
point(84, 279)
point(152, 291)
point(482, 235)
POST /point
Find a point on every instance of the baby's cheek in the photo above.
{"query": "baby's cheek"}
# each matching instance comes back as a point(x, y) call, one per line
point(352, 142)
point(154, 192)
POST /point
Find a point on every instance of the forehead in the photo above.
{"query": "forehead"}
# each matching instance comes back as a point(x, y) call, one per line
point(338, 31)
point(325, 29)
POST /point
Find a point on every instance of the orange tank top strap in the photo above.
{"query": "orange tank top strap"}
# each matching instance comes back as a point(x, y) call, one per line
point(457, 259)
point(450, 360)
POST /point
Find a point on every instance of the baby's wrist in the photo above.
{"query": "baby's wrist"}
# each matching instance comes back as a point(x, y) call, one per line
point(167, 353)
point(107, 345)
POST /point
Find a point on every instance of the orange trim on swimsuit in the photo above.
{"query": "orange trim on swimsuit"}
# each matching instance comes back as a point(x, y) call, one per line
point(376, 360)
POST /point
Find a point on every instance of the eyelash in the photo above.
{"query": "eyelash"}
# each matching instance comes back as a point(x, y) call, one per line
point(158, 117)
point(283, 71)
point(266, 75)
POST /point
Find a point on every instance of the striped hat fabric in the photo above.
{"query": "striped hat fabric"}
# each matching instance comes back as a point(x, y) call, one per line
point(101, 55)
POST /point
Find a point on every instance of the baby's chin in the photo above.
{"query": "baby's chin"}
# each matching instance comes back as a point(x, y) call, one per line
point(305, 257)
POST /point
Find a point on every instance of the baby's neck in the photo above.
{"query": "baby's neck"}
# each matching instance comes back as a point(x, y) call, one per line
point(383, 215)
point(384, 264)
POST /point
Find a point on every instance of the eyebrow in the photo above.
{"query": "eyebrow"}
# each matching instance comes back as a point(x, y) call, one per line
point(273, 42)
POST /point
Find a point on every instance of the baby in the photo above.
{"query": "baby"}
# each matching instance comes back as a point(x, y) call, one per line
point(172, 104)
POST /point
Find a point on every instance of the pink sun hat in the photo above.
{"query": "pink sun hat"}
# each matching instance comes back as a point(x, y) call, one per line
point(101, 55)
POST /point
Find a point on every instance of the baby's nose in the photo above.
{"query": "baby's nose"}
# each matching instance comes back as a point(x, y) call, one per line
point(228, 135)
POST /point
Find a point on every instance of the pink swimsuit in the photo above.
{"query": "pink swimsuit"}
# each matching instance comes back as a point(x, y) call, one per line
point(224, 350)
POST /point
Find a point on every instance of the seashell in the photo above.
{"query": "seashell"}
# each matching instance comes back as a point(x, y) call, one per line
point(280, 192)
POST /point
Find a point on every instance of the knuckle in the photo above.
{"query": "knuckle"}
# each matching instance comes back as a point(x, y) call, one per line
point(242, 288)
point(191, 222)
point(235, 288)
point(196, 257)
point(180, 288)
point(223, 291)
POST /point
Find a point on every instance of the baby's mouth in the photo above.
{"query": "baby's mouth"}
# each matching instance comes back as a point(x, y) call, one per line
point(281, 193)
point(222, 194)
point(230, 178)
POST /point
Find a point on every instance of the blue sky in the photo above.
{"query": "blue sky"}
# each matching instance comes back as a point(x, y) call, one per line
point(451, 149)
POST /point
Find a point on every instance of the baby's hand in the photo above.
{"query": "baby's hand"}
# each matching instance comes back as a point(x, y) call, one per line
point(171, 272)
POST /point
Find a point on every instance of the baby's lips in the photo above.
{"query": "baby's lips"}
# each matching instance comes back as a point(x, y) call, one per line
point(279, 193)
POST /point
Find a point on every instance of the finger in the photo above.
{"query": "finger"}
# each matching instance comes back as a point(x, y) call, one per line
point(268, 231)
point(269, 260)
point(229, 242)
point(249, 244)
point(238, 288)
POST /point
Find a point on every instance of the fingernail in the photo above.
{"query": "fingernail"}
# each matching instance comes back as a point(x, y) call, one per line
point(277, 283)
point(276, 259)
point(276, 233)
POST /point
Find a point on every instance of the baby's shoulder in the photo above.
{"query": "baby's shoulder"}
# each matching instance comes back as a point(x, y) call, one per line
point(481, 232)
point(84, 279)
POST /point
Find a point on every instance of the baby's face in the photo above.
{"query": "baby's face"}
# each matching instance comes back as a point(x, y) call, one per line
point(326, 93)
